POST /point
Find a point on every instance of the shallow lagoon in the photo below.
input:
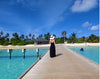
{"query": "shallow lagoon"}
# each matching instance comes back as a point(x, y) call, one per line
point(14, 67)
point(90, 52)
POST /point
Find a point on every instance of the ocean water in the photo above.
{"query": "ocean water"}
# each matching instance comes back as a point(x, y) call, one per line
point(14, 67)
point(90, 52)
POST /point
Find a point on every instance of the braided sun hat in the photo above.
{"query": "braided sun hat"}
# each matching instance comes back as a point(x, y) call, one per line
point(52, 37)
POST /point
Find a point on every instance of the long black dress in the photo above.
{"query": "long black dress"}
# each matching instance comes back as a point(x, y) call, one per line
point(52, 50)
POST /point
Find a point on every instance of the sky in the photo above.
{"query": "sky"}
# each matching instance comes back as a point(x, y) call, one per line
point(53, 16)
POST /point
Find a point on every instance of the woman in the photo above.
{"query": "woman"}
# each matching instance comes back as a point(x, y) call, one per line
point(52, 47)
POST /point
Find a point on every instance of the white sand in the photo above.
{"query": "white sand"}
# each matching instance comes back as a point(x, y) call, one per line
point(48, 45)
point(83, 44)
point(25, 46)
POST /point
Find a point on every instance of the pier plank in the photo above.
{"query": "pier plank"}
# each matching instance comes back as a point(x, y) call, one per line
point(65, 65)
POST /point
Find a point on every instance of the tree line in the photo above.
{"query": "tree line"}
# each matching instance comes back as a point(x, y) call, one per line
point(30, 39)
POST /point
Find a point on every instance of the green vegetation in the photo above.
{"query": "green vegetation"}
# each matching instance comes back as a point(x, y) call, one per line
point(16, 39)
point(64, 35)
point(72, 38)
point(47, 36)
point(59, 40)
point(91, 39)
point(30, 39)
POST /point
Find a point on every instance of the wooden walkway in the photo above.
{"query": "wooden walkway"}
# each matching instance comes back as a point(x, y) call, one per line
point(66, 65)
point(24, 47)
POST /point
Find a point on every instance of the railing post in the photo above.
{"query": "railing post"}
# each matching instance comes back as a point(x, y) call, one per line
point(9, 51)
point(37, 50)
point(23, 51)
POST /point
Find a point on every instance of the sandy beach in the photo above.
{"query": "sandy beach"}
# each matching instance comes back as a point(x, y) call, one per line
point(83, 44)
point(24, 46)
point(48, 45)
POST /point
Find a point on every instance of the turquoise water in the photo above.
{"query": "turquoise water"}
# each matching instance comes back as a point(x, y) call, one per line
point(14, 67)
point(90, 52)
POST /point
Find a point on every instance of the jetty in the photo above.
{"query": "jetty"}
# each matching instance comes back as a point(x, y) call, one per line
point(66, 65)
point(23, 48)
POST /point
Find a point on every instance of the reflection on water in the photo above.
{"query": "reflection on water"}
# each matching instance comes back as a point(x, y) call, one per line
point(14, 67)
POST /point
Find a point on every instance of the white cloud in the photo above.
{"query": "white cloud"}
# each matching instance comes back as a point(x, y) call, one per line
point(96, 27)
point(61, 18)
point(1, 29)
point(76, 30)
point(86, 24)
point(73, 29)
point(79, 31)
point(83, 5)
point(49, 11)
point(5, 30)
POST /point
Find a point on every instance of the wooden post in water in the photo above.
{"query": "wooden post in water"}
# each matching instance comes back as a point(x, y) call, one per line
point(23, 51)
point(37, 50)
point(9, 51)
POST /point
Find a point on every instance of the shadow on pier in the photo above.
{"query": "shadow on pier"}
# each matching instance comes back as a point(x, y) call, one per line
point(59, 54)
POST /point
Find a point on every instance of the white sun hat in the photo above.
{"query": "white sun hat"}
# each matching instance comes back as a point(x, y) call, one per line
point(52, 37)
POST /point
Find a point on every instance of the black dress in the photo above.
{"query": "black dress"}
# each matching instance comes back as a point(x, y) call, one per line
point(52, 50)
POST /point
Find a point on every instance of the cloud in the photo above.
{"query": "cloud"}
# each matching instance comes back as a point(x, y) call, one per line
point(86, 24)
point(76, 30)
point(47, 12)
point(5, 30)
point(34, 14)
point(30, 3)
point(83, 5)
point(61, 18)
point(79, 31)
point(96, 27)
point(1, 29)
point(73, 29)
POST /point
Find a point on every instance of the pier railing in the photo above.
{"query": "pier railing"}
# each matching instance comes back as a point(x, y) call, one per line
point(9, 50)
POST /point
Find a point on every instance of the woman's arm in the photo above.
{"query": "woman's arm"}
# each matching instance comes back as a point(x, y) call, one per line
point(54, 41)
point(49, 42)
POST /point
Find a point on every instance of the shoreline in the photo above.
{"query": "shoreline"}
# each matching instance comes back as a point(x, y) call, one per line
point(24, 46)
point(48, 45)
point(83, 44)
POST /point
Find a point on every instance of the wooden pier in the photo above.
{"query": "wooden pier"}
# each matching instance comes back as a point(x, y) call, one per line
point(23, 48)
point(66, 65)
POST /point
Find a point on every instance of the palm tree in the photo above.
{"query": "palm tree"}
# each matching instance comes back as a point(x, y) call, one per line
point(27, 37)
point(93, 38)
point(73, 37)
point(6, 36)
point(64, 35)
point(47, 36)
point(1, 33)
point(82, 39)
point(22, 37)
point(16, 36)
point(40, 36)
point(30, 35)
point(33, 36)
